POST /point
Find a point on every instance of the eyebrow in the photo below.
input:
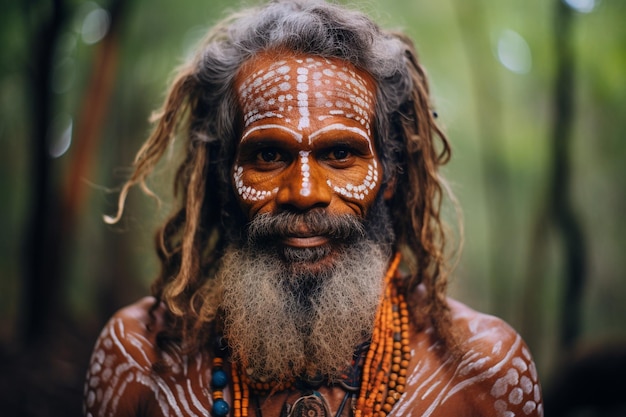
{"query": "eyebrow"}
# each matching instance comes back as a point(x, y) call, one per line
point(297, 136)
point(339, 126)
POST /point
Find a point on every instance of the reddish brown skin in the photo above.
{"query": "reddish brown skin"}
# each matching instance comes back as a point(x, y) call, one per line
point(495, 376)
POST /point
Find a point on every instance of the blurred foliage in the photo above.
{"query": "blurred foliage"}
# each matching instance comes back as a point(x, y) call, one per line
point(492, 70)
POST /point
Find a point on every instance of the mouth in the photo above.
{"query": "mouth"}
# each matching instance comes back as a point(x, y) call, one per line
point(305, 241)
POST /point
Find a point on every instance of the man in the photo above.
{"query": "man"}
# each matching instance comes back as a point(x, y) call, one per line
point(311, 163)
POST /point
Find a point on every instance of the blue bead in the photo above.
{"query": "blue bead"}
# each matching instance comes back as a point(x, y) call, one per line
point(219, 379)
point(220, 408)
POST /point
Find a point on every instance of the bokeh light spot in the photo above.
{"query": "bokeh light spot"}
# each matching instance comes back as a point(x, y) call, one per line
point(60, 135)
point(582, 6)
point(513, 52)
point(95, 26)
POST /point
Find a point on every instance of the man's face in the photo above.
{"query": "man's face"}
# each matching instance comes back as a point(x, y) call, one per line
point(307, 176)
point(306, 141)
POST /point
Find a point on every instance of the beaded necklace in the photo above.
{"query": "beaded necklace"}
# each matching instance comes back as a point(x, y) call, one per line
point(384, 370)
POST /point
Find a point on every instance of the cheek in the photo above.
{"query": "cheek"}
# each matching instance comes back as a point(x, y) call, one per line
point(360, 185)
point(251, 191)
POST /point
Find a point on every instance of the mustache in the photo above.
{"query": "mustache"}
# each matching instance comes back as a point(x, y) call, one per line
point(345, 227)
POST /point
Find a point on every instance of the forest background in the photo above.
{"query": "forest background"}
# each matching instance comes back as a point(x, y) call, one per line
point(532, 94)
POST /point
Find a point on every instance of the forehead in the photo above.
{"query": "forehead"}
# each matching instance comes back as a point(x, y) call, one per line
point(273, 85)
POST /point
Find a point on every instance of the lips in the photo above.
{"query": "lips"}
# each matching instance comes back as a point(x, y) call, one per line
point(305, 241)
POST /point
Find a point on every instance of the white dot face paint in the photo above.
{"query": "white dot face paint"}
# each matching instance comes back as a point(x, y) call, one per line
point(305, 190)
point(306, 133)
point(352, 96)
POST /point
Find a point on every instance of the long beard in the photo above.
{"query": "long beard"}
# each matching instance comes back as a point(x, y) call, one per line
point(290, 312)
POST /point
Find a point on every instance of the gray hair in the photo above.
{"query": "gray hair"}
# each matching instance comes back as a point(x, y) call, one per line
point(307, 27)
point(410, 146)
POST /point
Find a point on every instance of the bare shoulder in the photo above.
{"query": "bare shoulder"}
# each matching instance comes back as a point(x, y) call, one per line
point(132, 331)
point(121, 362)
point(493, 374)
point(496, 371)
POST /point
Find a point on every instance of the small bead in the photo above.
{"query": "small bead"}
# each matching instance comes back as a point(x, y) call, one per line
point(220, 408)
point(219, 379)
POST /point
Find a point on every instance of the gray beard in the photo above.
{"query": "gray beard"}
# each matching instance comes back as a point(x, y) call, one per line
point(280, 326)
point(289, 313)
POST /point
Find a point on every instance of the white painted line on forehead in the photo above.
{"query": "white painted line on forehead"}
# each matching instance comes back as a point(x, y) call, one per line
point(303, 97)
point(297, 136)
point(339, 126)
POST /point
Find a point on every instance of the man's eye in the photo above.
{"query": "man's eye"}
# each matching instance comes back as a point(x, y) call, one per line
point(269, 155)
point(339, 154)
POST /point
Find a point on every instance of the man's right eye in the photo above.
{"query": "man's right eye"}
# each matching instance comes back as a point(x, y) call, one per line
point(269, 155)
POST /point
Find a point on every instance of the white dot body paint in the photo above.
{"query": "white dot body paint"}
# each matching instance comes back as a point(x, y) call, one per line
point(503, 372)
point(269, 95)
point(266, 86)
point(358, 192)
point(246, 192)
point(305, 169)
point(120, 369)
point(303, 97)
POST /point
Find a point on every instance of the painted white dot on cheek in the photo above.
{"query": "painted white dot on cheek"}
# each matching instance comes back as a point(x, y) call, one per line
point(248, 193)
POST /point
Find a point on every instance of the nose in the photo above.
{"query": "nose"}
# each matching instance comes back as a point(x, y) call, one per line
point(303, 187)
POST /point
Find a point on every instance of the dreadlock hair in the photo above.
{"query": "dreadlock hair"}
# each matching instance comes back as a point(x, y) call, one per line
point(202, 108)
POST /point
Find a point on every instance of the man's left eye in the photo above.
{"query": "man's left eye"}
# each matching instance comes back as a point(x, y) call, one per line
point(339, 154)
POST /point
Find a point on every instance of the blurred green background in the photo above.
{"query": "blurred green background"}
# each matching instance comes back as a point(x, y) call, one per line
point(532, 94)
